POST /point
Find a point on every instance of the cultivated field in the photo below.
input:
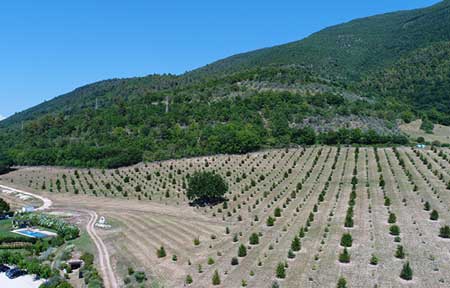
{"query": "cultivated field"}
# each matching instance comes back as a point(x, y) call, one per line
point(441, 133)
point(295, 205)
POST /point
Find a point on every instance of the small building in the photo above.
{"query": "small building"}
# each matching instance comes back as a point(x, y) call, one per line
point(27, 209)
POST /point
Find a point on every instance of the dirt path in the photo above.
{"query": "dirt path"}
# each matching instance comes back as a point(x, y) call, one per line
point(104, 257)
point(47, 203)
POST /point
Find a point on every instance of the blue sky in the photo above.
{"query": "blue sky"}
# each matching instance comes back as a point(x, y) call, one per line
point(50, 47)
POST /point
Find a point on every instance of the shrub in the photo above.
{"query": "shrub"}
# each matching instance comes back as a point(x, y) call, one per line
point(427, 206)
point(344, 257)
point(296, 245)
point(254, 239)
point(280, 271)
point(346, 240)
point(434, 215)
point(394, 230)
point(400, 253)
point(216, 278)
point(406, 273)
point(444, 232)
point(374, 260)
point(234, 261)
point(270, 221)
point(242, 251)
point(392, 218)
point(161, 252)
point(188, 279)
point(342, 283)
point(291, 254)
point(277, 212)
point(210, 261)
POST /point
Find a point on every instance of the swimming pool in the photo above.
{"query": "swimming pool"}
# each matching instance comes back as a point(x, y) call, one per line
point(33, 234)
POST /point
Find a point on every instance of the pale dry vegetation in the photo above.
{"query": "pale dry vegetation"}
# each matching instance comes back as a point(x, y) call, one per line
point(296, 217)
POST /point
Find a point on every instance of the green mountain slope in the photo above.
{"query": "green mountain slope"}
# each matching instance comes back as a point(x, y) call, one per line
point(346, 84)
point(354, 48)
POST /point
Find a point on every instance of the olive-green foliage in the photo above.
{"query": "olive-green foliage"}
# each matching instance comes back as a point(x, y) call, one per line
point(206, 187)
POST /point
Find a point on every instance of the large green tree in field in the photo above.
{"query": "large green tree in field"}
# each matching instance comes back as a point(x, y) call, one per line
point(206, 188)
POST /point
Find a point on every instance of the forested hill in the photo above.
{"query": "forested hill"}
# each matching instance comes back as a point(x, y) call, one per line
point(350, 83)
point(352, 49)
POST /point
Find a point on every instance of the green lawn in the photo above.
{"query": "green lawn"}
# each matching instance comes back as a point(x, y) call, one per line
point(5, 228)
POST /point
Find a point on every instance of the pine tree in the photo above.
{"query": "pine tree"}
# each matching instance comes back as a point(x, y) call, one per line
point(296, 245)
point(277, 212)
point(444, 232)
point(434, 215)
point(374, 260)
point(400, 252)
point(254, 239)
point(216, 278)
point(281, 271)
point(406, 273)
point(344, 257)
point(392, 218)
point(427, 206)
point(188, 279)
point(301, 233)
point(242, 252)
point(342, 283)
point(270, 221)
point(346, 240)
point(161, 252)
point(234, 261)
point(394, 230)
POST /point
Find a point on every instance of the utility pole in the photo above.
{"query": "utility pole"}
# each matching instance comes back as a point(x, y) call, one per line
point(167, 104)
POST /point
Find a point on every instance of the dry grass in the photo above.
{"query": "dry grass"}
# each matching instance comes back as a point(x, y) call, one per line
point(441, 133)
point(142, 226)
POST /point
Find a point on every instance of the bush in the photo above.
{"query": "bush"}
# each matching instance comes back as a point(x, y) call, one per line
point(374, 260)
point(270, 221)
point(400, 253)
point(406, 273)
point(444, 232)
point(234, 261)
point(344, 257)
point(277, 212)
point(188, 279)
point(242, 251)
point(296, 245)
point(216, 278)
point(434, 215)
point(392, 218)
point(161, 252)
point(254, 239)
point(394, 230)
point(342, 283)
point(346, 240)
point(280, 271)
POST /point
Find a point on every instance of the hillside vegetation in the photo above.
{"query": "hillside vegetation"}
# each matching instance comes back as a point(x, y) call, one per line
point(351, 83)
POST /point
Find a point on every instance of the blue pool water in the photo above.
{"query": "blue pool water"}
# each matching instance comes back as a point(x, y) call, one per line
point(32, 234)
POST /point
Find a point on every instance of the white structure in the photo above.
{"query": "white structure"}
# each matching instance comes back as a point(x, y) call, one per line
point(421, 146)
point(27, 209)
point(102, 223)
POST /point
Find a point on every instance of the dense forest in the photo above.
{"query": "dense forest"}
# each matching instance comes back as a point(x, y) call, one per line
point(351, 83)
